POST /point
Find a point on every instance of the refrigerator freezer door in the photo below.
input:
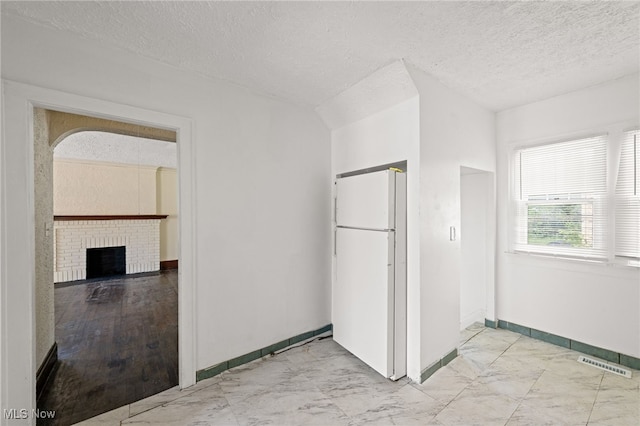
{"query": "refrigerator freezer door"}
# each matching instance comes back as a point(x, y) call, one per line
point(363, 296)
point(366, 201)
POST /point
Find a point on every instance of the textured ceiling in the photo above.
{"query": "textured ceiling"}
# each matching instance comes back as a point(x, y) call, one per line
point(113, 148)
point(500, 54)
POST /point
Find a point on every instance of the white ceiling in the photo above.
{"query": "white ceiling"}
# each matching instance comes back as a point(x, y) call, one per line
point(113, 148)
point(501, 54)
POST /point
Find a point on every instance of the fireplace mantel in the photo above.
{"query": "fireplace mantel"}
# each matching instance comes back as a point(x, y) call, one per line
point(112, 217)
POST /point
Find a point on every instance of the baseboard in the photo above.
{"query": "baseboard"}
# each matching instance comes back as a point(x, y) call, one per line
point(168, 264)
point(46, 370)
point(490, 323)
point(605, 354)
point(428, 372)
point(259, 353)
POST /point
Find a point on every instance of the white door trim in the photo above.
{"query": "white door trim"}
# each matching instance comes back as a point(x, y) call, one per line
point(17, 223)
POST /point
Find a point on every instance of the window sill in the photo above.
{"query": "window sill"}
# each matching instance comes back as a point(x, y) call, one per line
point(591, 265)
point(560, 256)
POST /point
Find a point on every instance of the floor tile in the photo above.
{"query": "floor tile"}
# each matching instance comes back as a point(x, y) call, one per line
point(616, 406)
point(478, 404)
point(444, 385)
point(207, 406)
point(499, 378)
point(113, 417)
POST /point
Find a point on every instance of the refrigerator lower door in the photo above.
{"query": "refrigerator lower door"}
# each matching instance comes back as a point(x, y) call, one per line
point(363, 296)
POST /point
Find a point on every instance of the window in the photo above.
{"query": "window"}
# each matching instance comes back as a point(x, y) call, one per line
point(628, 198)
point(560, 196)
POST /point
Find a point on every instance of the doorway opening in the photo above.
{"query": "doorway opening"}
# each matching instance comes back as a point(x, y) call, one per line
point(115, 341)
point(477, 239)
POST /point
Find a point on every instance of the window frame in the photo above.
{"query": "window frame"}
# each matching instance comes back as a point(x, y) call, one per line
point(590, 252)
point(631, 198)
point(517, 205)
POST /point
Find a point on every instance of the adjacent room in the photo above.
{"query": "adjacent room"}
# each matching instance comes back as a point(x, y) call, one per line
point(115, 247)
point(384, 212)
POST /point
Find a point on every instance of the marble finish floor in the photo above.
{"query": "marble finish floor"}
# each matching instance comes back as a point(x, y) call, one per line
point(499, 378)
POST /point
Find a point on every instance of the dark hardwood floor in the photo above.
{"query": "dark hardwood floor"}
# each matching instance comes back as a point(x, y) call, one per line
point(117, 343)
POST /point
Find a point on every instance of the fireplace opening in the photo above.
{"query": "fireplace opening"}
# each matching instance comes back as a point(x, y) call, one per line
point(106, 261)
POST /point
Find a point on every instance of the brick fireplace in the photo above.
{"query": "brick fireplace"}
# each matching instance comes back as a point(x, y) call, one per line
point(74, 235)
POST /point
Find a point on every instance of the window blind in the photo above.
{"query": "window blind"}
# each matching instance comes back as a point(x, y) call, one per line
point(627, 203)
point(560, 197)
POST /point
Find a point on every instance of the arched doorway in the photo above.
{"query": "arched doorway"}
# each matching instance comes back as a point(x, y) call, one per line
point(109, 335)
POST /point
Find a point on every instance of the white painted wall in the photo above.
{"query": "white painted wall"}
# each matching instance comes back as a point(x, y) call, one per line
point(597, 304)
point(82, 187)
point(262, 191)
point(454, 132)
point(477, 260)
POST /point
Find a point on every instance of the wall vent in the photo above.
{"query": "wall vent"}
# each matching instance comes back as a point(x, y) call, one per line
point(604, 366)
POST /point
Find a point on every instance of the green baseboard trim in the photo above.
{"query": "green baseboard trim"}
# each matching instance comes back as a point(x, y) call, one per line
point(449, 357)
point(605, 354)
point(428, 372)
point(214, 370)
point(275, 347)
point(551, 338)
point(490, 324)
point(301, 337)
point(244, 359)
point(629, 361)
point(517, 328)
point(324, 329)
point(595, 351)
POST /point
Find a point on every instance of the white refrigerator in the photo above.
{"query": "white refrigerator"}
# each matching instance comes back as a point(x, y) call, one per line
point(369, 301)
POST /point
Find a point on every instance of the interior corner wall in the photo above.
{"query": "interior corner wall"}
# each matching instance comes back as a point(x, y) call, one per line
point(454, 132)
point(262, 196)
point(167, 204)
point(597, 304)
point(389, 136)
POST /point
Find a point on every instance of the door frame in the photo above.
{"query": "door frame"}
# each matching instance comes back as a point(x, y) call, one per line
point(17, 226)
point(490, 237)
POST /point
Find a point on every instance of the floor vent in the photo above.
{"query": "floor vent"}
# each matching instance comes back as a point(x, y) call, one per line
point(604, 366)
